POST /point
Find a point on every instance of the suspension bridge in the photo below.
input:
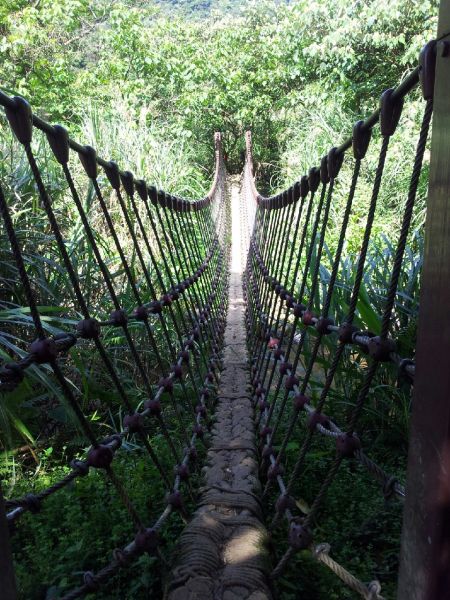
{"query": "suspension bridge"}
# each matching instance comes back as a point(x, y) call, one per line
point(231, 304)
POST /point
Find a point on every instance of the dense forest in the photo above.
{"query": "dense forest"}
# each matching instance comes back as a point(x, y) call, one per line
point(148, 83)
point(281, 69)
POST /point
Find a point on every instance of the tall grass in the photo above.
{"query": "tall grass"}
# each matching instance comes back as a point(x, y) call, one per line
point(144, 146)
point(140, 146)
point(321, 122)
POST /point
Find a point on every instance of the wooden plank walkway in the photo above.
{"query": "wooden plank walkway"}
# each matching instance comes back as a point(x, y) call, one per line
point(222, 553)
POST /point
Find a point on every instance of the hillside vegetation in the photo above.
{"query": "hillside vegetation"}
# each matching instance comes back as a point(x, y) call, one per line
point(281, 69)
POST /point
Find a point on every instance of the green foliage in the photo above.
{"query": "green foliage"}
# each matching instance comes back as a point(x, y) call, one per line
point(202, 8)
point(269, 68)
point(54, 548)
point(363, 536)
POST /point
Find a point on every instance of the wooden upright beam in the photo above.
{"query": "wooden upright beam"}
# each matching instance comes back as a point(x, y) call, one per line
point(425, 552)
point(7, 580)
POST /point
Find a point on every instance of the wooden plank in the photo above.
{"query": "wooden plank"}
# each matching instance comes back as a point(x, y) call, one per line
point(425, 552)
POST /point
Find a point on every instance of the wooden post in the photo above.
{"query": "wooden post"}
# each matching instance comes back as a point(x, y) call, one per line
point(7, 580)
point(425, 551)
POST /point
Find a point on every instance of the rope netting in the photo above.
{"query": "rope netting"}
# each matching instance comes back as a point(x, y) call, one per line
point(171, 260)
point(291, 285)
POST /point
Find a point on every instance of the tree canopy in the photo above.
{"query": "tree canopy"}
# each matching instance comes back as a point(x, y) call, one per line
point(264, 66)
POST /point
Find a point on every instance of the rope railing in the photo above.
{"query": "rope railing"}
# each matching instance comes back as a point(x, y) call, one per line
point(289, 308)
point(175, 265)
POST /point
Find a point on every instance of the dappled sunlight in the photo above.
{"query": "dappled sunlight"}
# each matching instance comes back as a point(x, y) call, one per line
point(243, 546)
point(237, 257)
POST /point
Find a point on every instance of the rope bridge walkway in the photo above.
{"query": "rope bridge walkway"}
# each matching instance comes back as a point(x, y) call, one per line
point(222, 551)
point(226, 343)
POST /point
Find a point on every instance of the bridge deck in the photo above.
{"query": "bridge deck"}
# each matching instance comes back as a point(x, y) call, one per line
point(222, 554)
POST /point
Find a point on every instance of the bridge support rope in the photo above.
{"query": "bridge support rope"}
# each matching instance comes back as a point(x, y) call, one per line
point(222, 552)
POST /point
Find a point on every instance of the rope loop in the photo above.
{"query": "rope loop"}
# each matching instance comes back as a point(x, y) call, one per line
point(20, 119)
point(80, 466)
point(323, 548)
point(390, 112)
point(427, 66)
point(361, 137)
point(334, 162)
point(314, 179)
point(113, 175)
point(90, 581)
point(299, 537)
point(58, 141)
point(324, 173)
point(88, 159)
point(88, 329)
point(127, 179)
point(44, 350)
